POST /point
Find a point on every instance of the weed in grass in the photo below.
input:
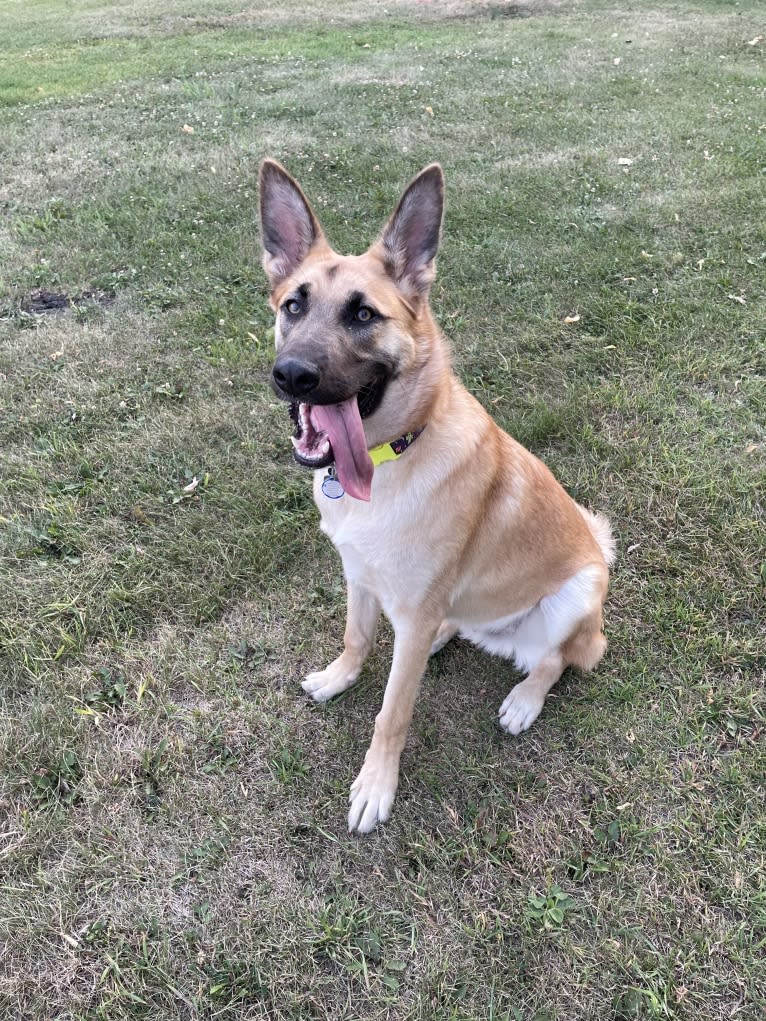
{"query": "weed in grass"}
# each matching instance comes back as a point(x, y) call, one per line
point(246, 655)
point(289, 765)
point(222, 756)
point(236, 983)
point(52, 540)
point(57, 781)
point(359, 941)
point(208, 854)
point(549, 910)
point(584, 865)
point(110, 694)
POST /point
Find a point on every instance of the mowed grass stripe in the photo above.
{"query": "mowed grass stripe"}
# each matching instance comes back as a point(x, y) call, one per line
point(78, 67)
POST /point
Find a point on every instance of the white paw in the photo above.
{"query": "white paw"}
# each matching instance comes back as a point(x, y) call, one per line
point(521, 708)
point(372, 796)
point(325, 684)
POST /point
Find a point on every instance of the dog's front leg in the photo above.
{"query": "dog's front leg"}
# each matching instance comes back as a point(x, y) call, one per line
point(361, 620)
point(373, 791)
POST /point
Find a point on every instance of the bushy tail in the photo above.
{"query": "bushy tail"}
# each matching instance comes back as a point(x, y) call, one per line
point(602, 533)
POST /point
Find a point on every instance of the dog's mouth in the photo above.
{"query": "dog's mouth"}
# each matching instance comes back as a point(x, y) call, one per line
point(327, 433)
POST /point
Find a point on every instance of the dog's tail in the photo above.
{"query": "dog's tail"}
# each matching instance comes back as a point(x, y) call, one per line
point(602, 533)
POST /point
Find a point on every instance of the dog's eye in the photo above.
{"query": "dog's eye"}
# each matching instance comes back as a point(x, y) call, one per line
point(364, 315)
point(293, 307)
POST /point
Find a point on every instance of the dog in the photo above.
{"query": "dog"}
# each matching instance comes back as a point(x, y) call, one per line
point(443, 521)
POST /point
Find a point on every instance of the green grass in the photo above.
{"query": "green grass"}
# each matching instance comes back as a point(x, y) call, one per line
point(172, 808)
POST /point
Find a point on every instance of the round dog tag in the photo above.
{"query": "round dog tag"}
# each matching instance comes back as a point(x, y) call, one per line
point(331, 487)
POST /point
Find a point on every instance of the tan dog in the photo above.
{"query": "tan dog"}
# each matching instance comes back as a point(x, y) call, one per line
point(443, 521)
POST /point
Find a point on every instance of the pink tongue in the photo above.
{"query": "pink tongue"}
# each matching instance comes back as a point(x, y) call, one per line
point(343, 425)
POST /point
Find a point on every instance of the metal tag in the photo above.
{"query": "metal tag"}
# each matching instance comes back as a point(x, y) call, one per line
point(331, 487)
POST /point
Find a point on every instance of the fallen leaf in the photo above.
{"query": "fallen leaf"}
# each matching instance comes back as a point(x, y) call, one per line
point(623, 161)
point(572, 319)
point(187, 129)
point(738, 298)
point(192, 485)
point(429, 110)
point(754, 42)
point(617, 61)
point(139, 515)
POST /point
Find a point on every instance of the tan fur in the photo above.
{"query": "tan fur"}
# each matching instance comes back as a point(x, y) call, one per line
point(464, 530)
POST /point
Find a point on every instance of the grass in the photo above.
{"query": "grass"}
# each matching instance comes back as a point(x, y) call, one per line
point(173, 837)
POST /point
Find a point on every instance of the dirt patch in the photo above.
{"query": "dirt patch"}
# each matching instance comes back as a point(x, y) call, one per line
point(42, 302)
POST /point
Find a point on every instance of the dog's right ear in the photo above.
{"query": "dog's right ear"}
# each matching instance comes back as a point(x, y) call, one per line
point(289, 228)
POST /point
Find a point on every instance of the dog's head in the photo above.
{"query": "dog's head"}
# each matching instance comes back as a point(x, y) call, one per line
point(350, 330)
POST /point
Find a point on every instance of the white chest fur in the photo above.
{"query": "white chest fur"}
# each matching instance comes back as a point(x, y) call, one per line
point(376, 539)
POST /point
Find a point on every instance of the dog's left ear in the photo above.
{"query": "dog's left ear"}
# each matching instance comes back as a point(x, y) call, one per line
point(289, 228)
point(410, 239)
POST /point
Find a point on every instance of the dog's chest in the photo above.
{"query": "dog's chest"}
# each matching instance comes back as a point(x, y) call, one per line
point(381, 542)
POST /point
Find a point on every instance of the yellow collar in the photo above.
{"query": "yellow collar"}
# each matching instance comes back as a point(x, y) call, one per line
point(393, 450)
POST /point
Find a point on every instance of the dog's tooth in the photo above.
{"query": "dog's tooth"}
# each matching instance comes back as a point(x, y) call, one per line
point(294, 442)
point(326, 447)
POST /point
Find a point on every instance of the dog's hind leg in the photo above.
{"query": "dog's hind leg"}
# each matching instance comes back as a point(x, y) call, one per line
point(563, 630)
point(523, 705)
point(525, 701)
point(445, 634)
point(361, 621)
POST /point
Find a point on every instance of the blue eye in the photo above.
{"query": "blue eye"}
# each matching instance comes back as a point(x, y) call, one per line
point(293, 307)
point(364, 315)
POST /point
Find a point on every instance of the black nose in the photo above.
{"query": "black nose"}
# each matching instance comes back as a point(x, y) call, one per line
point(294, 377)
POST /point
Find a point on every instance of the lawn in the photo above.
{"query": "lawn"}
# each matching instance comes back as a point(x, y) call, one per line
point(172, 806)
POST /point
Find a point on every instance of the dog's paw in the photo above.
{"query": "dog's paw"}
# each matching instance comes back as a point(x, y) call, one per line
point(325, 684)
point(521, 708)
point(372, 797)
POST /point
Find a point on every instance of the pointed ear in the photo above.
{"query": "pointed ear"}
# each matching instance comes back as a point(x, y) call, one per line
point(289, 228)
point(410, 239)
